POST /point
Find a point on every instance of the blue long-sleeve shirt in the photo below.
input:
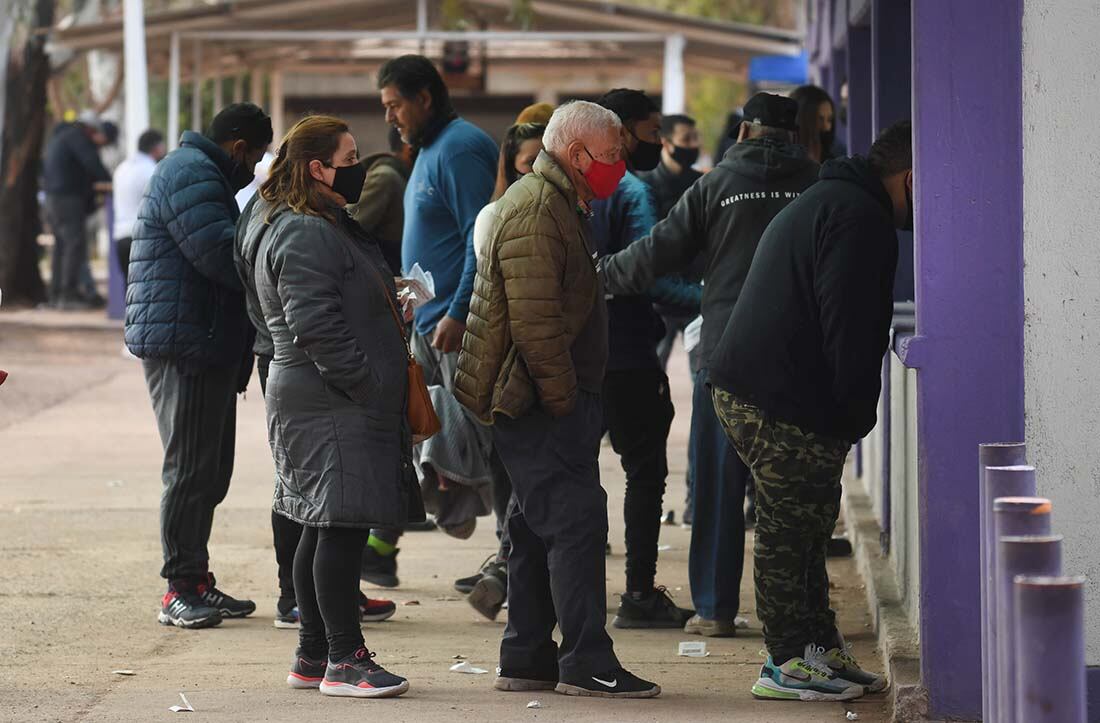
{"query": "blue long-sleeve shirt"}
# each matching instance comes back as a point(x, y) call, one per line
point(451, 182)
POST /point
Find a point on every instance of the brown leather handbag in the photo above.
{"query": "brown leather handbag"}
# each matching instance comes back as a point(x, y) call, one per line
point(419, 410)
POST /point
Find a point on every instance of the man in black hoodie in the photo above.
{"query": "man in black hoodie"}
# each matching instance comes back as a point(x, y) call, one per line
point(720, 219)
point(796, 380)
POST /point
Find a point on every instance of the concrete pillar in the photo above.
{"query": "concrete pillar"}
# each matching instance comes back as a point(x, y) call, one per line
point(219, 93)
point(277, 111)
point(1050, 650)
point(196, 87)
point(174, 92)
point(891, 71)
point(673, 89)
point(136, 77)
point(968, 351)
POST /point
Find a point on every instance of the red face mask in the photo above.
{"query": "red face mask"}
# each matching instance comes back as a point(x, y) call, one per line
point(603, 178)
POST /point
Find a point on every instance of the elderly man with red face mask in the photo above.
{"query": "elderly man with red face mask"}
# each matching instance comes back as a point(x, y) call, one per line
point(532, 365)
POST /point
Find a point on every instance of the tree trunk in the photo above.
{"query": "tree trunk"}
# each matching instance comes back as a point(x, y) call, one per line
point(24, 123)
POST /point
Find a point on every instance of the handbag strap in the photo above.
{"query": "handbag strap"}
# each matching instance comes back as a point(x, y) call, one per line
point(393, 307)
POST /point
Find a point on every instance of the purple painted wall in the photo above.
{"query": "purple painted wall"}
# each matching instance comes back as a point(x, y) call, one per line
point(969, 345)
point(860, 96)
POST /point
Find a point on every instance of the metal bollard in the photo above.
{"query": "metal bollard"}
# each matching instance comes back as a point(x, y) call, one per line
point(1036, 555)
point(990, 455)
point(1050, 649)
point(1008, 481)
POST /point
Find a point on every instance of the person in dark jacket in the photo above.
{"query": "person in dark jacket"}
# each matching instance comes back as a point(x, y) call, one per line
point(672, 177)
point(380, 208)
point(720, 220)
point(637, 402)
point(251, 231)
point(796, 377)
point(72, 175)
point(186, 319)
point(336, 395)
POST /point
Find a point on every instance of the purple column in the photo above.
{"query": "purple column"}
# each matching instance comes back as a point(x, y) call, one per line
point(1008, 481)
point(860, 97)
point(969, 298)
point(116, 288)
point(1034, 555)
point(891, 71)
point(1050, 650)
point(1011, 516)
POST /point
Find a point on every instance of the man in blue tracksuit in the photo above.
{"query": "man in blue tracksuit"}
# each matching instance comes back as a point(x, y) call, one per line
point(186, 319)
point(451, 181)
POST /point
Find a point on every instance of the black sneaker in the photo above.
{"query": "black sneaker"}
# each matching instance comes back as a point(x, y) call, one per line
point(465, 585)
point(428, 525)
point(618, 683)
point(655, 610)
point(491, 591)
point(358, 676)
point(186, 609)
point(516, 680)
point(380, 570)
point(228, 606)
point(306, 673)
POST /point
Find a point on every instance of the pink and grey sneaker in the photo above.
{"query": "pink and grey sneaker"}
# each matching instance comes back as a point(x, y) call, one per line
point(375, 611)
point(184, 608)
point(306, 673)
point(358, 676)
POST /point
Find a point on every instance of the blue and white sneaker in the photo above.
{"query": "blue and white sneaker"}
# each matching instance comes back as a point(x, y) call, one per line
point(286, 615)
point(808, 678)
point(841, 661)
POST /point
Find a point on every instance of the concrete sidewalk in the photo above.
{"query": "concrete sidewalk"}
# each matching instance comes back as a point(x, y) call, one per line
point(79, 592)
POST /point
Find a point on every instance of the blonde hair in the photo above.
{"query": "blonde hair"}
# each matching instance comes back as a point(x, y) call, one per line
point(314, 138)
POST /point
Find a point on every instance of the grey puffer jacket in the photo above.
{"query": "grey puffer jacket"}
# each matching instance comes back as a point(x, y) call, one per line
point(338, 383)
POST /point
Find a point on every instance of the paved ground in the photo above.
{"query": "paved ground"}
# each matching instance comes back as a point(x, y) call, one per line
point(79, 554)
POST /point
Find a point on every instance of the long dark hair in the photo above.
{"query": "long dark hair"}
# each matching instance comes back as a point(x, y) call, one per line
point(809, 99)
point(514, 137)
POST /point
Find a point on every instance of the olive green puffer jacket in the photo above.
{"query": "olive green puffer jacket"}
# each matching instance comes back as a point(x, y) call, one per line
point(534, 290)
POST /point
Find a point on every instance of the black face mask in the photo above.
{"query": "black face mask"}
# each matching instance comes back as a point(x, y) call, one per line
point(348, 182)
point(828, 138)
point(646, 156)
point(908, 225)
point(686, 157)
point(241, 175)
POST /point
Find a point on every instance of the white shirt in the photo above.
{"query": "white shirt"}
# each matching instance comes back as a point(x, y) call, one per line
point(130, 180)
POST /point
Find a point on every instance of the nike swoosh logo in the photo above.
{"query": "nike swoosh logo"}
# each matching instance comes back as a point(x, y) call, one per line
point(799, 676)
point(609, 684)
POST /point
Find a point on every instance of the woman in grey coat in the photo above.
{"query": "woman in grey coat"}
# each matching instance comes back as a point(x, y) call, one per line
point(336, 396)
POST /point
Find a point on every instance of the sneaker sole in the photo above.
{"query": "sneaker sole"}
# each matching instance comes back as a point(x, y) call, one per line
point(287, 624)
point(377, 617)
point(189, 624)
point(766, 689)
point(299, 682)
point(487, 597)
point(517, 685)
point(578, 691)
point(236, 615)
point(379, 581)
point(347, 690)
point(634, 624)
point(711, 632)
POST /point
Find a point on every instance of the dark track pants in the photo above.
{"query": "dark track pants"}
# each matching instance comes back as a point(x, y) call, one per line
point(558, 528)
point(197, 418)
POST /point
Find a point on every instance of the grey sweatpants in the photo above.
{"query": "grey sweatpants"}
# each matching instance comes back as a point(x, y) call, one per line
point(197, 418)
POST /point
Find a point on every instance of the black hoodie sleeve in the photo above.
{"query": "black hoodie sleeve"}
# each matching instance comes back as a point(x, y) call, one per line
point(671, 246)
point(855, 263)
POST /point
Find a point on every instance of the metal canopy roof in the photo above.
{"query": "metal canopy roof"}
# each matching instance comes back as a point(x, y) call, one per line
point(299, 35)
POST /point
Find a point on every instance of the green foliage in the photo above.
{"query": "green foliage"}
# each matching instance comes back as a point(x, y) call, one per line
point(710, 98)
point(757, 12)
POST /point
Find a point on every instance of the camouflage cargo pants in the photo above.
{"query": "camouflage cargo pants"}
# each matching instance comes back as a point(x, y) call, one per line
point(797, 476)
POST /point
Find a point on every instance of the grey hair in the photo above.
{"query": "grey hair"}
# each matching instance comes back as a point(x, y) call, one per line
point(574, 120)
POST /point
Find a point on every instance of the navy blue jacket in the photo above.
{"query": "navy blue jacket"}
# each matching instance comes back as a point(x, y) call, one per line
point(184, 300)
point(72, 164)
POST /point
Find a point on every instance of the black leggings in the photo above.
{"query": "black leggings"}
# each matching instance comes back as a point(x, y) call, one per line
point(326, 580)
